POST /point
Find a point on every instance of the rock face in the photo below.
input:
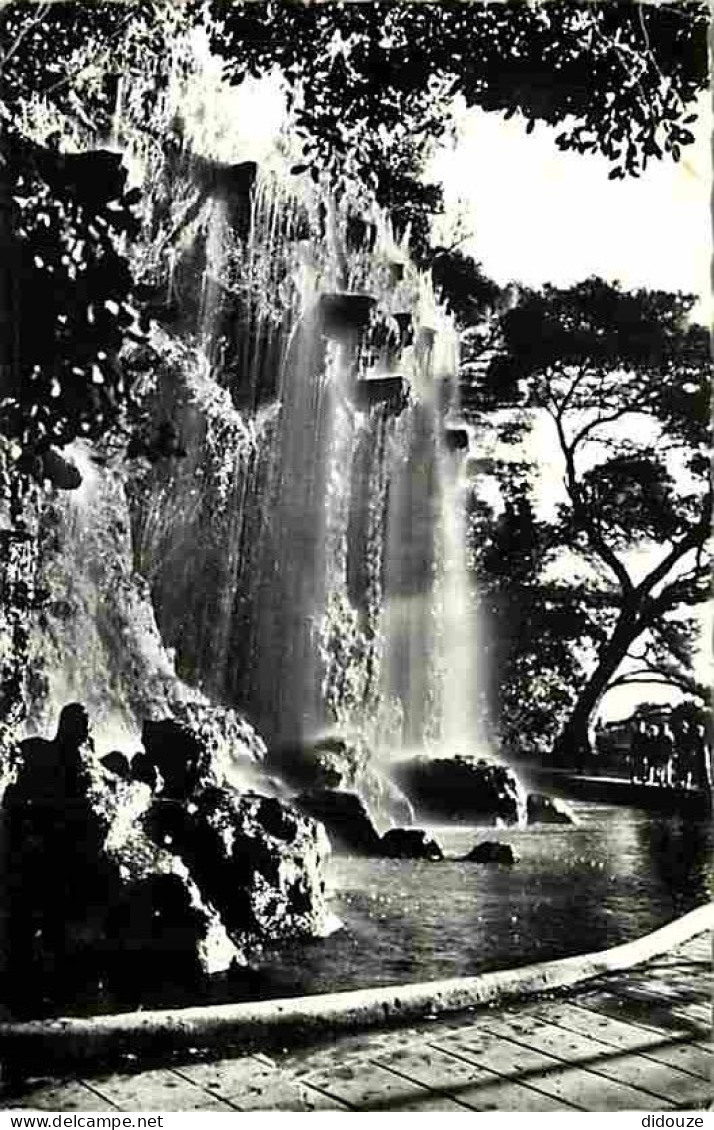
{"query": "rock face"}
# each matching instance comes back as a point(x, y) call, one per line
point(462, 788)
point(91, 898)
point(541, 809)
point(97, 640)
point(490, 851)
point(346, 818)
point(108, 882)
point(348, 765)
point(410, 843)
point(197, 747)
point(118, 764)
point(179, 757)
point(258, 861)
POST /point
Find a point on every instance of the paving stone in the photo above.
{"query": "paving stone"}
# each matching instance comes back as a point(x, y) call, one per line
point(544, 1072)
point(580, 1050)
point(368, 1086)
point(157, 1090)
point(474, 1087)
point(662, 1047)
point(63, 1096)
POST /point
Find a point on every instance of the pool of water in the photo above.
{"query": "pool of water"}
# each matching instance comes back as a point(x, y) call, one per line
point(618, 874)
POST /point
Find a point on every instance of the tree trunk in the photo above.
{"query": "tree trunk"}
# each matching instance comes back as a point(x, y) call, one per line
point(573, 748)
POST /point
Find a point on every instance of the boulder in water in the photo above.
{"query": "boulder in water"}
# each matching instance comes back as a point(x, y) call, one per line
point(87, 891)
point(159, 920)
point(410, 843)
point(542, 809)
point(346, 818)
point(255, 859)
point(107, 884)
point(179, 756)
point(390, 802)
point(347, 764)
point(490, 851)
point(462, 788)
point(199, 746)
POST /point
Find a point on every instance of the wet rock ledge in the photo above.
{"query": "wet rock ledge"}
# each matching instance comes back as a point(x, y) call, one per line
point(159, 872)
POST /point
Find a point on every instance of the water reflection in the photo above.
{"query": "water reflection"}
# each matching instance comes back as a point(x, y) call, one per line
point(681, 854)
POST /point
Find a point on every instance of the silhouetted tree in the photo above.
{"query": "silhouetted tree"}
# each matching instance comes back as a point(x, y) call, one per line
point(537, 632)
point(461, 283)
point(372, 84)
point(625, 382)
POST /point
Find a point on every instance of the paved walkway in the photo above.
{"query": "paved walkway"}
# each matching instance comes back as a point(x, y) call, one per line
point(696, 802)
point(638, 1040)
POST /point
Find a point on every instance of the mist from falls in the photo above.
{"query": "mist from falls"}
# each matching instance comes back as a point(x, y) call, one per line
point(307, 557)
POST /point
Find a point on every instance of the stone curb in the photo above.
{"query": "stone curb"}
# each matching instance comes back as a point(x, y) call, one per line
point(250, 1025)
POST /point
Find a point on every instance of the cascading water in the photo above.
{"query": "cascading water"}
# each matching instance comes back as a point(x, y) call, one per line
point(461, 724)
point(410, 624)
point(431, 637)
point(307, 555)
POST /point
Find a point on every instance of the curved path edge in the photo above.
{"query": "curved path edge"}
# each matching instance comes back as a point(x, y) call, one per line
point(249, 1025)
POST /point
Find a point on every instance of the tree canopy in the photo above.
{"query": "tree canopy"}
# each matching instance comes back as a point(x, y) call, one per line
point(623, 381)
point(373, 84)
point(67, 218)
point(535, 630)
point(70, 290)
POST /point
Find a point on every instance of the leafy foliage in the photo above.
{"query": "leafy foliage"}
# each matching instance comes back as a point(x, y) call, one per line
point(65, 217)
point(69, 56)
point(71, 291)
point(372, 84)
point(624, 381)
point(537, 631)
point(462, 285)
point(599, 326)
point(633, 496)
point(665, 657)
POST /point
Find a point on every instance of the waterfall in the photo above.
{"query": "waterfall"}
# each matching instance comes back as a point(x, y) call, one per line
point(411, 575)
point(461, 725)
point(306, 554)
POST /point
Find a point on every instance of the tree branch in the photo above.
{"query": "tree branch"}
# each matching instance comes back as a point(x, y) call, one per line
point(611, 419)
point(683, 682)
point(587, 525)
point(40, 14)
point(695, 537)
point(573, 388)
